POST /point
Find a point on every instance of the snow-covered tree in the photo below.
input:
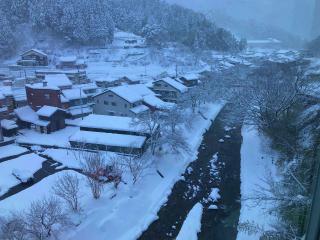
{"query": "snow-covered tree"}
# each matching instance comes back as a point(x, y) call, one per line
point(7, 38)
point(93, 165)
point(150, 123)
point(67, 188)
point(45, 218)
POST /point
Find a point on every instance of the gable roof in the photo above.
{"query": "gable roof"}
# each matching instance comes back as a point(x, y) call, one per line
point(47, 111)
point(191, 76)
point(111, 123)
point(156, 102)
point(175, 84)
point(34, 50)
point(27, 114)
point(74, 93)
point(130, 93)
point(58, 80)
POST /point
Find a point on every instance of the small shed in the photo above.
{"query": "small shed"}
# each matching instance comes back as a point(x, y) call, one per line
point(9, 127)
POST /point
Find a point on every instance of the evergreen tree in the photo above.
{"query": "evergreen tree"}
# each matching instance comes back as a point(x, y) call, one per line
point(7, 40)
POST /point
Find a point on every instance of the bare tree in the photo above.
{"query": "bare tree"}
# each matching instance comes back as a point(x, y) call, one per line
point(137, 165)
point(93, 166)
point(173, 117)
point(67, 187)
point(13, 227)
point(269, 94)
point(175, 141)
point(150, 123)
point(46, 218)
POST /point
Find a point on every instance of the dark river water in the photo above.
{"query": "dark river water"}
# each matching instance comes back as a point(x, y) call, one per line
point(217, 166)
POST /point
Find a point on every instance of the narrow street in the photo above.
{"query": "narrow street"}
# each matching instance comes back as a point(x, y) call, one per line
point(217, 166)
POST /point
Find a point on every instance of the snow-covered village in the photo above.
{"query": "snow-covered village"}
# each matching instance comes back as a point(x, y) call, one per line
point(156, 120)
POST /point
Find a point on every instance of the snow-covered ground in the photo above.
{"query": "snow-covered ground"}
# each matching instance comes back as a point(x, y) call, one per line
point(192, 224)
point(11, 150)
point(23, 167)
point(71, 158)
point(256, 164)
point(130, 212)
point(41, 190)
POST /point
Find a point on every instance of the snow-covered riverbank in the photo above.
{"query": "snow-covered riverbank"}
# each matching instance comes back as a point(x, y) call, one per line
point(128, 214)
point(256, 163)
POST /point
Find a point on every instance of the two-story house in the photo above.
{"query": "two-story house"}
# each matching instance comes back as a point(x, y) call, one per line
point(124, 100)
point(71, 62)
point(190, 79)
point(47, 119)
point(168, 89)
point(33, 57)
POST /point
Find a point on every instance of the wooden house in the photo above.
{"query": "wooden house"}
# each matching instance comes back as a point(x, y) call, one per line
point(33, 57)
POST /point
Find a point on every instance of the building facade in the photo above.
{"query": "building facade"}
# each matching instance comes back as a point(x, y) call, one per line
point(33, 57)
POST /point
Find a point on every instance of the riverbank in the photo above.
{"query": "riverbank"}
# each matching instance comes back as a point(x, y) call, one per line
point(135, 207)
point(257, 162)
point(217, 166)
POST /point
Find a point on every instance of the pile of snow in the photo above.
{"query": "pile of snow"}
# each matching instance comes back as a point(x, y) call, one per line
point(213, 168)
point(192, 224)
point(214, 195)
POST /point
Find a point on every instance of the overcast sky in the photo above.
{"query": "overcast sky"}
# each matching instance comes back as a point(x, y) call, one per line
point(292, 15)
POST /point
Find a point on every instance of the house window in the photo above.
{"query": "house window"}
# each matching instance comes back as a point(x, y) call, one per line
point(113, 104)
point(110, 95)
point(125, 105)
point(97, 100)
point(106, 102)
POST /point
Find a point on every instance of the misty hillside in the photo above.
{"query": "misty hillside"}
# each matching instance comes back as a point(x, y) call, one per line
point(92, 23)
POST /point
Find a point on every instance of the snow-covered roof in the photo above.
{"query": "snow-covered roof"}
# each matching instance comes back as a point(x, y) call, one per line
point(74, 93)
point(68, 59)
point(126, 35)
point(156, 102)
point(27, 114)
point(19, 94)
point(3, 109)
point(132, 93)
point(58, 80)
point(34, 50)
point(47, 111)
point(86, 86)
point(77, 110)
point(8, 124)
point(6, 91)
point(179, 86)
point(262, 41)
point(110, 123)
point(139, 109)
point(108, 139)
point(41, 86)
point(191, 76)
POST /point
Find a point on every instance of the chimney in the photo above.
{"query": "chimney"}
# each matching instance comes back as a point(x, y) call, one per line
point(45, 83)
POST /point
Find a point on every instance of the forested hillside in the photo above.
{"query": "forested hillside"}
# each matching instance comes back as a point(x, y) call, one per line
point(93, 22)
